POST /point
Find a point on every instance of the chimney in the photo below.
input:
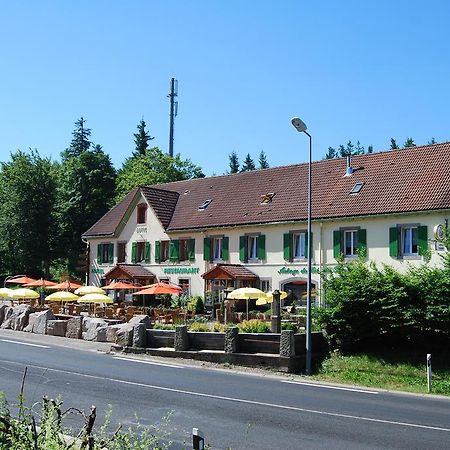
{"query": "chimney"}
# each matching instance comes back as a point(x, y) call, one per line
point(349, 169)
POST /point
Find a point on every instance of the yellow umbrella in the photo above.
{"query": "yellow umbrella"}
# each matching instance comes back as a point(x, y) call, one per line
point(247, 293)
point(95, 298)
point(269, 298)
point(84, 290)
point(24, 293)
point(6, 292)
point(62, 296)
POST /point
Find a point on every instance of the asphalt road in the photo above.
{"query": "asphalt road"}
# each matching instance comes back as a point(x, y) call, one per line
point(234, 410)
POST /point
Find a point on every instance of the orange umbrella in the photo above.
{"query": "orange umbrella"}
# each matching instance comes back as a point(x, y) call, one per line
point(40, 283)
point(121, 285)
point(160, 288)
point(20, 280)
point(66, 286)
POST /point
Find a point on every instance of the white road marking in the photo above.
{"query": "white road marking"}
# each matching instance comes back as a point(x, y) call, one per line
point(122, 358)
point(25, 343)
point(240, 400)
point(324, 386)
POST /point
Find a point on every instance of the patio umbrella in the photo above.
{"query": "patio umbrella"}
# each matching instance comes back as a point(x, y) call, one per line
point(159, 288)
point(24, 293)
point(120, 285)
point(83, 290)
point(40, 283)
point(269, 298)
point(246, 293)
point(62, 296)
point(95, 298)
point(6, 292)
point(20, 280)
point(66, 286)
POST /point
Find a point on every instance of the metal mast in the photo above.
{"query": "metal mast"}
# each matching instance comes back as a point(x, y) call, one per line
point(173, 110)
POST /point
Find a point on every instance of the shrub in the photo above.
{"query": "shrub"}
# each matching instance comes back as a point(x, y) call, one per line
point(289, 326)
point(254, 326)
point(196, 305)
point(219, 327)
point(163, 326)
point(199, 326)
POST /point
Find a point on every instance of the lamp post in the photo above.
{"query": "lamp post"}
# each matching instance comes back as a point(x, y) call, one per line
point(300, 126)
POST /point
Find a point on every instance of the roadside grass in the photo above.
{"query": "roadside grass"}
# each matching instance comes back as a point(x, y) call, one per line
point(388, 369)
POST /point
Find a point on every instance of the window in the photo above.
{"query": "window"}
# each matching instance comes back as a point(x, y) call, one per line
point(349, 242)
point(141, 213)
point(204, 205)
point(267, 198)
point(121, 252)
point(164, 251)
point(408, 240)
point(175, 250)
point(105, 253)
point(356, 188)
point(215, 248)
point(140, 252)
point(265, 284)
point(252, 247)
point(295, 245)
point(185, 285)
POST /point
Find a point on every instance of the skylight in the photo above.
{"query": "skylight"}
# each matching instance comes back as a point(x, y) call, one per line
point(267, 198)
point(356, 188)
point(204, 205)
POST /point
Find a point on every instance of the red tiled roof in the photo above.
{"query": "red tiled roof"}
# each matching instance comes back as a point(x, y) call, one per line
point(397, 181)
point(131, 270)
point(229, 272)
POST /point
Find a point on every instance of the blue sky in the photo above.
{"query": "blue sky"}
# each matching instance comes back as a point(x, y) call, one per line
point(367, 70)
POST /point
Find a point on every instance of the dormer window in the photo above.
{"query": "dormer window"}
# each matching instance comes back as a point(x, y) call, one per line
point(204, 205)
point(356, 188)
point(267, 198)
point(142, 213)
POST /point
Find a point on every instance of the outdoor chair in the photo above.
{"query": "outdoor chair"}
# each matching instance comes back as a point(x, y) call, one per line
point(109, 313)
point(55, 308)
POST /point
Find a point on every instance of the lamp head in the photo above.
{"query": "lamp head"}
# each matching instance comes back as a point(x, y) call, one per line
point(298, 124)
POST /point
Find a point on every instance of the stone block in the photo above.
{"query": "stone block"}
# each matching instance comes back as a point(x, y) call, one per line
point(111, 332)
point(19, 317)
point(90, 326)
point(7, 313)
point(57, 327)
point(124, 336)
point(31, 320)
point(287, 343)
point(181, 341)
point(231, 340)
point(139, 335)
point(3, 308)
point(143, 318)
point(74, 327)
point(40, 321)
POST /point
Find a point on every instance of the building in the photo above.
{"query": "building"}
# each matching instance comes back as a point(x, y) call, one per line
point(217, 233)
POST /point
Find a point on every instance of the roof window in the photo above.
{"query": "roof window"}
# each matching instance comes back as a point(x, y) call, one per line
point(356, 188)
point(267, 198)
point(204, 205)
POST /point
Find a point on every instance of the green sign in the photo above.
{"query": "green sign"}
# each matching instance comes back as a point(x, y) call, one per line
point(303, 270)
point(95, 270)
point(181, 270)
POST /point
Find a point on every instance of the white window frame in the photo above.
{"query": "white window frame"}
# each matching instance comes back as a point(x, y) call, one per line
point(409, 234)
point(353, 233)
point(217, 248)
point(252, 247)
point(298, 236)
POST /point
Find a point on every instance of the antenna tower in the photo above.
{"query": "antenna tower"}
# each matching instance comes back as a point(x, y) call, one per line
point(173, 111)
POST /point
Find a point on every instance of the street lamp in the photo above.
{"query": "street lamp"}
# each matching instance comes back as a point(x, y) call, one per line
point(300, 126)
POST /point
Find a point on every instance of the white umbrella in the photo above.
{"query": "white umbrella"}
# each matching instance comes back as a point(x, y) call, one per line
point(84, 290)
point(246, 293)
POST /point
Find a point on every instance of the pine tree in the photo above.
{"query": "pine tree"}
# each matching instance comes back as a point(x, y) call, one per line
point(359, 149)
point(394, 145)
point(248, 164)
point(432, 141)
point(370, 149)
point(80, 141)
point(141, 139)
point(331, 154)
point(234, 162)
point(263, 164)
point(409, 143)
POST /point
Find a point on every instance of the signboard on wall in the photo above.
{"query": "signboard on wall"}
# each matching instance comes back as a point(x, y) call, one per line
point(181, 270)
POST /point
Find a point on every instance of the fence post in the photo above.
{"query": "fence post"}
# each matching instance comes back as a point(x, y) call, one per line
point(198, 439)
point(181, 341)
point(429, 372)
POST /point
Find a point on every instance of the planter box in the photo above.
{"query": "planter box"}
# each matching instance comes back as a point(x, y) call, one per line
point(160, 338)
point(206, 341)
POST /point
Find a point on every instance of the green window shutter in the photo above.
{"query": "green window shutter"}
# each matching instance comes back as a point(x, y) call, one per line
point(147, 252)
point(99, 253)
point(207, 249)
point(191, 250)
point(242, 248)
point(306, 244)
point(174, 247)
point(133, 252)
point(423, 240)
point(110, 253)
point(337, 243)
point(362, 242)
point(287, 246)
point(393, 242)
point(157, 251)
point(262, 247)
point(225, 250)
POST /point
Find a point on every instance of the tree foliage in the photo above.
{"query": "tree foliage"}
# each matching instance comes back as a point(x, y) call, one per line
point(81, 140)
point(27, 227)
point(248, 164)
point(234, 162)
point(154, 167)
point(263, 164)
point(394, 145)
point(409, 143)
point(141, 139)
point(349, 149)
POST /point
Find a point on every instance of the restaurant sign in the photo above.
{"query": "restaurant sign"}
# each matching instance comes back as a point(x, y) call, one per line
point(297, 271)
point(95, 270)
point(181, 270)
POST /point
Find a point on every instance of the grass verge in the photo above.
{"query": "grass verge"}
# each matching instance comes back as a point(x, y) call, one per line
point(387, 369)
